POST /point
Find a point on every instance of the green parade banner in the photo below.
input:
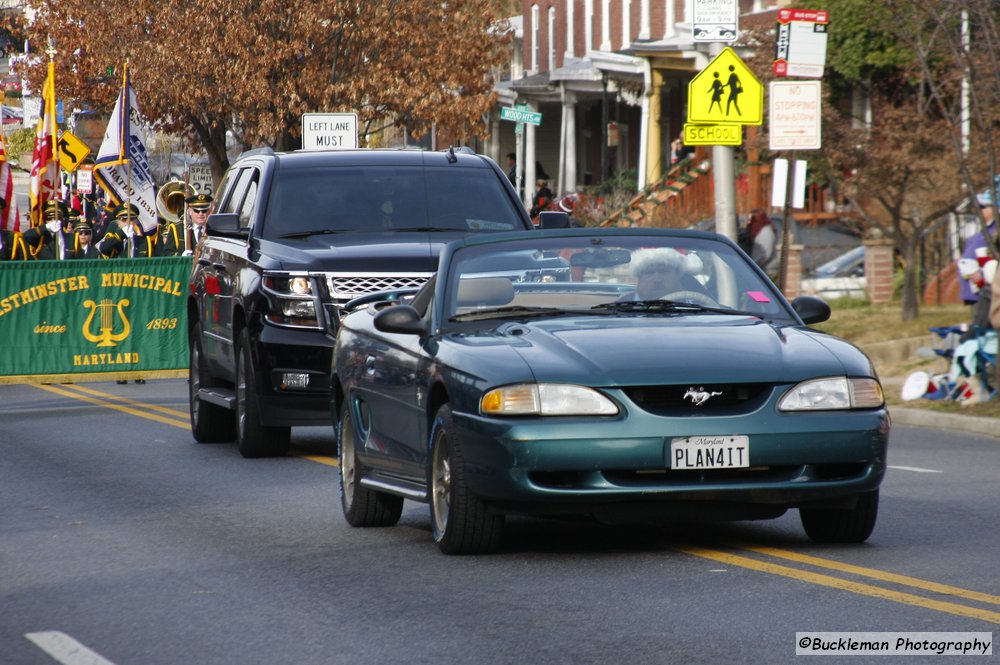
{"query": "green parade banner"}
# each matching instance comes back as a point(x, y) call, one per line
point(93, 319)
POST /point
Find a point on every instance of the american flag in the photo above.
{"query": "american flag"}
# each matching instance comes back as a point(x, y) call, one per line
point(44, 185)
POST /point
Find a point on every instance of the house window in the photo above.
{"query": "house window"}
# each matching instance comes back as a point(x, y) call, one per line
point(552, 38)
point(534, 39)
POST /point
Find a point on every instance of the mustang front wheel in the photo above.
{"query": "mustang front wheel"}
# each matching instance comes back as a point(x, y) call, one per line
point(461, 522)
point(842, 525)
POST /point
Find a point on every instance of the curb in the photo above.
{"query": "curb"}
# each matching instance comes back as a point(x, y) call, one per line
point(945, 421)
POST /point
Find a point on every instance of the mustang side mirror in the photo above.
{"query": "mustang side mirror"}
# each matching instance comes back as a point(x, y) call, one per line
point(811, 309)
point(401, 319)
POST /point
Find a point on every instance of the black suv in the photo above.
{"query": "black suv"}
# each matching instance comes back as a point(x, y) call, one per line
point(292, 238)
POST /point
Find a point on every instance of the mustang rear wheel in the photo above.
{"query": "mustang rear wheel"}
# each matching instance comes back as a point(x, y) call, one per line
point(362, 506)
point(461, 522)
point(209, 423)
point(253, 438)
point(842, 525)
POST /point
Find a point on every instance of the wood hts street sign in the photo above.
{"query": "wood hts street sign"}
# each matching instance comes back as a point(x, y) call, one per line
point(518, 115)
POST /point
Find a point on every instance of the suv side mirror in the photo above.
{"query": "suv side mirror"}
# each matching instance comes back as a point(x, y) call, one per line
point(227, 225)
point(553, 219)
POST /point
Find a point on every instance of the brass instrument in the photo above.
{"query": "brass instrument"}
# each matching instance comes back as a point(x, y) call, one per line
point(170, 204)
point(170, 199)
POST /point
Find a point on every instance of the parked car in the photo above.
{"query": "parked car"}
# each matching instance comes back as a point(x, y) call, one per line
point(666, 379)
point(842, 277)
point(293, 237)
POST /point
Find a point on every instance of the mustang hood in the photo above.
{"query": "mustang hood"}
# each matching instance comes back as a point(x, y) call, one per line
point(703, 349)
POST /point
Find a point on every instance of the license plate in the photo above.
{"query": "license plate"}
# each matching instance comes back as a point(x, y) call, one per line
point(710, 452)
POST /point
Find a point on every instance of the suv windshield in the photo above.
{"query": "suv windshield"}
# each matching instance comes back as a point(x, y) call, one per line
point(387, 198)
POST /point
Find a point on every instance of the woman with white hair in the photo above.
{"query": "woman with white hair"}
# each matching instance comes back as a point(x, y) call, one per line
point(663, 271)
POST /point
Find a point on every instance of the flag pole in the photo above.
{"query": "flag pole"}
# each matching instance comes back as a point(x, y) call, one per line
point(126, 106)
point(50, 111)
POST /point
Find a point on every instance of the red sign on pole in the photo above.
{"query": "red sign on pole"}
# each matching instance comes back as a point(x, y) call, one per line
point(800, 48)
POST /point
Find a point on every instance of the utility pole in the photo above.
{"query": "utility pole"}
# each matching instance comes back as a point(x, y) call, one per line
point(724, 177)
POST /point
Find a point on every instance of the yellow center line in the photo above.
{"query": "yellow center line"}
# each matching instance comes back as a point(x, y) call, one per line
point(150, 407)
point(844, 585)
point(116, 407)
point(876, 574)
point(142, 410)
point(322, 459)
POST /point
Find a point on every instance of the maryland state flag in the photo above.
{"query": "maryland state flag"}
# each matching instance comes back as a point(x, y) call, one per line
point(44, 185)
point(10, 217)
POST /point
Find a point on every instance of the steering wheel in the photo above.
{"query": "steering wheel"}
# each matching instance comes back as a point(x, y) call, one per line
point(692, 297)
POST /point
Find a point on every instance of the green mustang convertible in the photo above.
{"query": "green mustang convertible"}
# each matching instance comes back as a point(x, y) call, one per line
point(631, 375)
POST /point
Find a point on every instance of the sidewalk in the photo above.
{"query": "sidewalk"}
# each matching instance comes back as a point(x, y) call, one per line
point(915, 416)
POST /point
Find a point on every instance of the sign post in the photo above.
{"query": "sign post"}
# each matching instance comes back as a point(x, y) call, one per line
point(520, 115)
point(715, 20)
point(72, 151)
point(200, 177)
point(800, 48)
point(329, 131)
point(721, 99)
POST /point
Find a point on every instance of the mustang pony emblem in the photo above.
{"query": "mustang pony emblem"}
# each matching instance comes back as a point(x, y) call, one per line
point(699, 396)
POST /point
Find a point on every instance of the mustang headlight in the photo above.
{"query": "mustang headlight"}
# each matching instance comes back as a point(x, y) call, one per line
point(832, 394)
point(546, 399)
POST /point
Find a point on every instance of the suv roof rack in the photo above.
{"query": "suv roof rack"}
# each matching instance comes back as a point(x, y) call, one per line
point(266, 150)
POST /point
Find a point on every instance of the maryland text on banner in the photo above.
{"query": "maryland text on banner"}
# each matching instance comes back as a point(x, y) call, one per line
point(93, 319)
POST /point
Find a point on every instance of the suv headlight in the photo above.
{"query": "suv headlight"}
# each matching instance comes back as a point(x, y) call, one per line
point(546, 399)
point(833, 393)
point(292, 299)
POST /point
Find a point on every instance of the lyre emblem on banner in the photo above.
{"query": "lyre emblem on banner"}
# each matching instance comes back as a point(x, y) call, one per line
point(106, 336)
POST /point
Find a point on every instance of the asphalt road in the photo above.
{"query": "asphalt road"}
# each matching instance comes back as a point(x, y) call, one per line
point(124, 542)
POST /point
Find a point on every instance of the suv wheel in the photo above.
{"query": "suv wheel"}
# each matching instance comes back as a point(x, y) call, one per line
point(362, 506)
point(210, 423)
point(253, 438)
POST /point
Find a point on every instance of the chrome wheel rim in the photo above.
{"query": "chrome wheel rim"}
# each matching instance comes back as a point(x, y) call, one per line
point(441, 485)
point(241, 394)
point(347, 467)
point(194, 381)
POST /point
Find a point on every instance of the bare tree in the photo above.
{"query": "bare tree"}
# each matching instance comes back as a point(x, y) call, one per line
point(252, 67)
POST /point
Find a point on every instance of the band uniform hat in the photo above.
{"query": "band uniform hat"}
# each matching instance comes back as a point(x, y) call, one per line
point(126, 210)
point(55, 208)
point(199, 201)
point(72, 214)
point(82, 224)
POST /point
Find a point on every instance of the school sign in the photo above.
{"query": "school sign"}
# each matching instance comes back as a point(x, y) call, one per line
point(93, 319)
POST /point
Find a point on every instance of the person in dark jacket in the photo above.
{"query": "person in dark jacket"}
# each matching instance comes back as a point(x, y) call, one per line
point(53, 239)
point(125, 238)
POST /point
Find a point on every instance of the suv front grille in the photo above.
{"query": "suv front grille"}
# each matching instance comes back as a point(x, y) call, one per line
point(344, 286)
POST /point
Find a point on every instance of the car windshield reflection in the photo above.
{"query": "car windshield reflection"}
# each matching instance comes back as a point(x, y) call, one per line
point(579, 272)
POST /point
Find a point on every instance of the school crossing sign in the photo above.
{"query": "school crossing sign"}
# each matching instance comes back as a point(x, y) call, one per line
point(726, 92)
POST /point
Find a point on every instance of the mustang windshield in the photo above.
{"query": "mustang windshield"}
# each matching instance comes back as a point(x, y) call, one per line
point(622, 273)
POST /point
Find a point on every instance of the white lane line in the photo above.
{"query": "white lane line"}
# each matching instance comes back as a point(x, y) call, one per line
point(915, 469)
point(65, 649)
